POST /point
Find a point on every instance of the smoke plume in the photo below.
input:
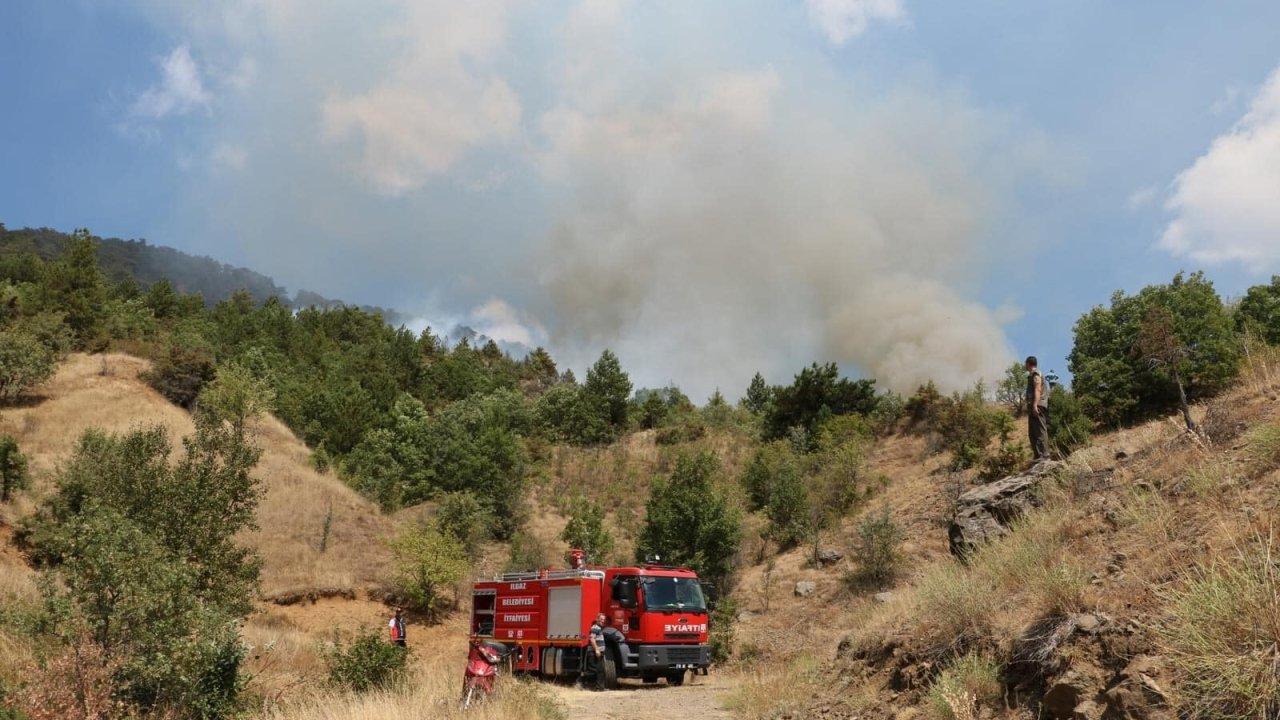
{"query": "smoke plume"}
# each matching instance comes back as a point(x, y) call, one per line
point(738, 223)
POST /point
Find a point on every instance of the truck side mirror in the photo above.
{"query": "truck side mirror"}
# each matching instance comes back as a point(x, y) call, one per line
point(625, 593)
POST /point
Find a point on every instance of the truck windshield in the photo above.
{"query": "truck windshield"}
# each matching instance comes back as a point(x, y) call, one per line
point(673, 593)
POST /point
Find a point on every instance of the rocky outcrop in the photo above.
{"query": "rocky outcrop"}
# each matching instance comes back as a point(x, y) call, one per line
point(985, 512)
point(805, 588)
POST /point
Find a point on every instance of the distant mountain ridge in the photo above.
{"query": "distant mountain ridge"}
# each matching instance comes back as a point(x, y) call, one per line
point(147, 264)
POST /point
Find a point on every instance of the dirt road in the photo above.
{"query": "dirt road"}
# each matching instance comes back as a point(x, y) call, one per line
point(699, 698)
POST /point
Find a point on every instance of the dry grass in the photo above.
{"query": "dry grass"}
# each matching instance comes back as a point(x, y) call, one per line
point(1223, 635)
point(295, 500)
point(1262, 449)
point(969, 683)
point(770, 692)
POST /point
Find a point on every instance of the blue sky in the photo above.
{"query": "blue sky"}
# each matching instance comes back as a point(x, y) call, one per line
point(912, 189)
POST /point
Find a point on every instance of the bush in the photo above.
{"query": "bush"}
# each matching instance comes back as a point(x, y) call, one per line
point(1007, 460)
point(788, 508)
point(1258, 313)
point(967, 684)
point(13, 468)
point(426, 564)
point(720, 635)
point(761, 475)
point(1069, 427)
point(144, 561)
point(367, 663)
point(689, 429)
point(236, 395)
point(181, 374)
point(1222, 634)
point(965, 425)
point(528, 553)
point(462, 517)
point(876, 547)
point(24, 364)
point(586, 531)
point(690, 522)
point(921, 406)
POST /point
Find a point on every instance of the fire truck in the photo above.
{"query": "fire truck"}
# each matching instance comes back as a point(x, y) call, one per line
point(544, 617)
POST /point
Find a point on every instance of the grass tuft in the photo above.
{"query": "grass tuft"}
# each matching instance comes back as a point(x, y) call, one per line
point(1223, 635)
point(969, 683)
point(1262, 449)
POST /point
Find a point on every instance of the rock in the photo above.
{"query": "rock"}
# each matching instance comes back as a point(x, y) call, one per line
point(883, 597)
point(985, 512)
point(1137, 693)
point(1069, 693)
point(828, 556)
point(1124, 453)
point(805, 588)
point(1087, 710)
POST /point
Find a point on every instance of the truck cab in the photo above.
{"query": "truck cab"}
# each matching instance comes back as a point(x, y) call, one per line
point(662, 613)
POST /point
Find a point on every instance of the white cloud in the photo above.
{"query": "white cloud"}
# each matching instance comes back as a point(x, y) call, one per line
point(440, 99)
point(1142, 197)
point(1226, 205)
point(843, 20)
point(179, 91)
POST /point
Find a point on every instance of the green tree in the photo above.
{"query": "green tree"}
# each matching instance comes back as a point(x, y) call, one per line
point(426, 564)
point(461, 516)
point(758, 395)
point(653, 411)
point(13, 468)
point(965, 426)
point(1259, 312)
point(181, 374)
point(236, 395)
point(691, 522)
point(817, 392)
point(586, 531)
point(788, 509)
point(24, 364)
point(74, 285)
point(607, 389)
point(1011, 391)
point(145, 561)
point(1116, 376)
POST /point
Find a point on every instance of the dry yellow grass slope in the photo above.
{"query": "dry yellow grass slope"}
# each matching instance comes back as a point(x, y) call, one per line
point(103, 391)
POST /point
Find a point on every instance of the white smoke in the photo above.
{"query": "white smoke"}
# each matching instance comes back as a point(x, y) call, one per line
point(723, 223)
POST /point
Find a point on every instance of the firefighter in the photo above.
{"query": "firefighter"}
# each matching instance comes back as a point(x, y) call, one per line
point(396, 624)
point(594, 659)
point(1037, 410)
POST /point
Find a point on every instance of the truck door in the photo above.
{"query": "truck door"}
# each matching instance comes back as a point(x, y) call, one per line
point(624, 604)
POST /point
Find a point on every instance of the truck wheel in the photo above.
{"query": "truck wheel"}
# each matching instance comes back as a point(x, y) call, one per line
point(675, 677)
point(608, 674)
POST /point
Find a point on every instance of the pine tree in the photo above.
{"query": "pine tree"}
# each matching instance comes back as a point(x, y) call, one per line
point(608, 388)
point(758, 395)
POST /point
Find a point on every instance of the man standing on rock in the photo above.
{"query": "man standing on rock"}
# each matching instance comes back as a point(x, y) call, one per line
point(1037, 410)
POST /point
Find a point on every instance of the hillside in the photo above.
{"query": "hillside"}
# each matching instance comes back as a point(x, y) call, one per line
point(147, 263)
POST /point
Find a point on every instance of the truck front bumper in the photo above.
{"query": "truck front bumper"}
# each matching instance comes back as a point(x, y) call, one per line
point(673, 657)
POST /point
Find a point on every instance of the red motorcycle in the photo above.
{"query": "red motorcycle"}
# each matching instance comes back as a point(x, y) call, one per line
point(483, 660)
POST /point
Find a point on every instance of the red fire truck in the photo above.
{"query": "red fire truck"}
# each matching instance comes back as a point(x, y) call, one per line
point(544, 617)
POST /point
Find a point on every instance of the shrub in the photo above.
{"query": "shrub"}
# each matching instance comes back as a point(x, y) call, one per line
point(366, 663)
point(690, 522)
point(1069, 427)
point(462, 517)
point(876, 547)
point(922, 405)
point(528, 553)
point(13, 468)
point(1008, 459)
point(24, 364)
point(760, 477)
point(563, 413)
point(720, 635)
point(967, 684)
point(1262, 448)
point(236, 395)
point(788, 508)
point(426, 564)
point(1259, 311)
point(586, 531)
point(689, 429)
point(1222, 634)
point(965, 425)
point(181, 374)
point(1011, 391)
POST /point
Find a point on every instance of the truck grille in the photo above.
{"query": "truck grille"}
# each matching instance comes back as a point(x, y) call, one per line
point(684, 655)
